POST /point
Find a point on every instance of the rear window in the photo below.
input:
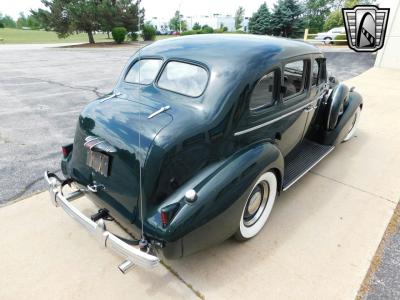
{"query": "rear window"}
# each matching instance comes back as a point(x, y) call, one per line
point(183, 78)
point(148, 71)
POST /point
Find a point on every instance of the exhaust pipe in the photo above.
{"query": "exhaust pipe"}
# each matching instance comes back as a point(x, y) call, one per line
point(125, 266)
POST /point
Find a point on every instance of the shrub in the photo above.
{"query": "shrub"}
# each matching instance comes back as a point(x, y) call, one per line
point(207, 29)
point(1, 25)
point(239, 31)
point(221, 30)
point(133, 36)
point(340, 37)
point(191, 32)
point(118, 34)
point(196, 26)
point(148, 32)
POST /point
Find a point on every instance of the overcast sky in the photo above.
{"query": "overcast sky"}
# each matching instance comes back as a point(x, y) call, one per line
point(157, 8)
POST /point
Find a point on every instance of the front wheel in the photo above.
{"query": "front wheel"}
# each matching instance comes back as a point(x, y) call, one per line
point(257, 207)
point(354, 125)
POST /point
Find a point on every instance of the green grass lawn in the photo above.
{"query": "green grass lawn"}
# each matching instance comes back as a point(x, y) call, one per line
point(19, 36)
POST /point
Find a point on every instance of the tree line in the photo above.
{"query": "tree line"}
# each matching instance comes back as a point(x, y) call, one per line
point(289, 18)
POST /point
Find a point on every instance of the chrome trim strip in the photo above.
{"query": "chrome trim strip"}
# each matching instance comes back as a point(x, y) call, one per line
point(308, 169)
point(106, 238)
point(272, 121)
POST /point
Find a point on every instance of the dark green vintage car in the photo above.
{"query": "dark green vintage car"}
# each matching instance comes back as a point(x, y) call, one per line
point(198, 138)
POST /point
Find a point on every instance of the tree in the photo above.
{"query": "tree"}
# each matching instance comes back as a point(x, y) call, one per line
point(69, 16)
point(7, 21)
point(260, 22)
point(335, 18)
point(1, 25)
point(108, 13)
point(176, 23)
point(316, 12)
point(287, 18)
point(128, 15)
point(22, 21)
point(239, 16)
point(196, 26)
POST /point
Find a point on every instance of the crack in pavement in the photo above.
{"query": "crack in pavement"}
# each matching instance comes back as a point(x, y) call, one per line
point(179, 277)
point(11, 199)
point(82, 88)
point(354, 187)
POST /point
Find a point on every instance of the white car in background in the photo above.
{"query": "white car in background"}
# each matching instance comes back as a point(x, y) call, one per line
point(328, 37)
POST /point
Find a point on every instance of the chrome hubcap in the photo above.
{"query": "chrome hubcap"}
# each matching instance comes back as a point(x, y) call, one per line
point(256, 204)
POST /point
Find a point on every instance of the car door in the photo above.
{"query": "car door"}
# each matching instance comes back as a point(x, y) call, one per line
point(276, 108)
point(294, 104)
point(317, 88)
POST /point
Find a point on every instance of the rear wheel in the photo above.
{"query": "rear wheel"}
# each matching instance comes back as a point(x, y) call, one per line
point(327, 40)
point(354, 125)
point(257, 207)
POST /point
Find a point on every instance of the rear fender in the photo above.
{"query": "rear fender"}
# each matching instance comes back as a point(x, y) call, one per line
point(221, 195)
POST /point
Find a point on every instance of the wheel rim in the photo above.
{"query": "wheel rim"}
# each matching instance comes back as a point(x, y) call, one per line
point(256, 204)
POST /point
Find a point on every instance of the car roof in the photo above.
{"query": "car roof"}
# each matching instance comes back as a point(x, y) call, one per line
point(215, 49)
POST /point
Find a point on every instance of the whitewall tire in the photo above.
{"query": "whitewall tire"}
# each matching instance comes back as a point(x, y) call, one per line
point(258, 206)
point(354, 125)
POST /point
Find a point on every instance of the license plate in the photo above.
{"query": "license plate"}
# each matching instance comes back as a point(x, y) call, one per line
point(98, 162)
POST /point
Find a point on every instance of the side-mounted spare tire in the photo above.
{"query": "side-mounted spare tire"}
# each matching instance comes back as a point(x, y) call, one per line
point(336, 104)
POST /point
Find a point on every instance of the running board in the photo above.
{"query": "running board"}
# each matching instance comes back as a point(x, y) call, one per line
point(302, 159)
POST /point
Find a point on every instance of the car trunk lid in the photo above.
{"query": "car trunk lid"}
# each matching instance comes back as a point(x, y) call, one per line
point(124, 135)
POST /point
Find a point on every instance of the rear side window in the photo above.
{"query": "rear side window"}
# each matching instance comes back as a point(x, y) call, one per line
point(264, 92)
point(148, 71)
point(183, 78)
point(293, 75)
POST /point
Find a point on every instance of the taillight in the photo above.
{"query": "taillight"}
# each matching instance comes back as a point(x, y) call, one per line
point(66, 150)
point(164, 218)
point(167, 213)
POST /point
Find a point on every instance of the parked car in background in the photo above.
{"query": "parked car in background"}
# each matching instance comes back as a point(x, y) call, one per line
point(328, 37)
point(199, 137)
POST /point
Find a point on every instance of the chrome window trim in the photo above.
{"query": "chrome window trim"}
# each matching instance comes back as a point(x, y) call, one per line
point(272, 121)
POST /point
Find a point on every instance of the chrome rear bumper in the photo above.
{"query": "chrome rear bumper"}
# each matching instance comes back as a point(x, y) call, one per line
point(133, 256)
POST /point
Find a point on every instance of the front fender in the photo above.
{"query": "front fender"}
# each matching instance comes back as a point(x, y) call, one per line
point(222, 192)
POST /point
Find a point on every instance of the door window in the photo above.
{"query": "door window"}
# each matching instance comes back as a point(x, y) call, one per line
point(315, 72)
point(293, 75)
point(263, 95)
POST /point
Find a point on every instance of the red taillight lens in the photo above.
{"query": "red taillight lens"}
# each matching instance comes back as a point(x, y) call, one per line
point(66, 150)
point(164, 218)
point(167, 213)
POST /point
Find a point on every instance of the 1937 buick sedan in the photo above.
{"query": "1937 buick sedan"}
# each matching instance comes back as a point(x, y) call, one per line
point(198, 138)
